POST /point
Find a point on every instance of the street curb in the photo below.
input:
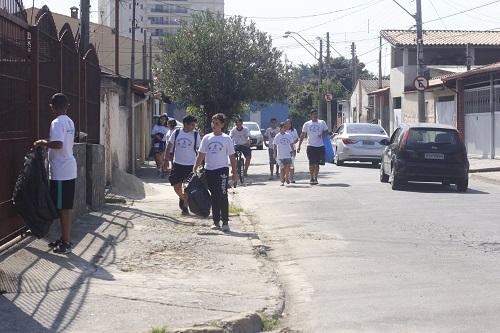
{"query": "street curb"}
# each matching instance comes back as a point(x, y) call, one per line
point(246, 323)
point(478, 176)
point(484, 170)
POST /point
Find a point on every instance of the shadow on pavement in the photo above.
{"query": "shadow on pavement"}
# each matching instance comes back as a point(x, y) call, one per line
point(360, 165)
point(435, 188)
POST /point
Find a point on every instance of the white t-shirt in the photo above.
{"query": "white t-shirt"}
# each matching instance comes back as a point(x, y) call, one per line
point(270, 134)
point(283, 143)
point(161, 129)
point(217, 149)
point(314, 130)
point(240, 137)
point(62, 163)
point(185, 153)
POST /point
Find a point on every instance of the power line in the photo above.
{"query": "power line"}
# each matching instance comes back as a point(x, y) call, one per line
point(463, 11)
point(435, 10)
point(370, 4)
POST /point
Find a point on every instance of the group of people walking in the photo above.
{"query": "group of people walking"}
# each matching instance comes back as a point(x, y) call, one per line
point(181, 152)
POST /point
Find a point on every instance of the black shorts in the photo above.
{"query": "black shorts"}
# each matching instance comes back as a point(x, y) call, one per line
point(272, 160)
point(179, 173)
point(62, 193)
point(316, 155)
point(247, 152)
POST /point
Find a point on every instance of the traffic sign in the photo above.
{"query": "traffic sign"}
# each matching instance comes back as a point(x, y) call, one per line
point(328, 97)
point(421, 83)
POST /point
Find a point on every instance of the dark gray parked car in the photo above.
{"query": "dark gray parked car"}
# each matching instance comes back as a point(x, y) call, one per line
point(427, 153)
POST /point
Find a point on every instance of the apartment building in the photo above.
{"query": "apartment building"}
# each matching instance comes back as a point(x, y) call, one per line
point(157, 17)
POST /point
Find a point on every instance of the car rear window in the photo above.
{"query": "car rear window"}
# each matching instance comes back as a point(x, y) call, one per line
point(252, 127)
point(365, 129)
point(426, 136)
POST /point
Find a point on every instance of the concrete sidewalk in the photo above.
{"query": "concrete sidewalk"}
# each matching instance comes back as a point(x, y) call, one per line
point(138, 266)
point(487, 170)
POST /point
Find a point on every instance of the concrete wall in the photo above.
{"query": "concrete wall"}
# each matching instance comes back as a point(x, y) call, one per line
point(114, 131)
point(262, 114)
point(80, 202)
point(96, 179)
point(359, 94)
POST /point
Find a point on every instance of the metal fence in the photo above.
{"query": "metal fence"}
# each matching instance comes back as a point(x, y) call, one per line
point(36, 62)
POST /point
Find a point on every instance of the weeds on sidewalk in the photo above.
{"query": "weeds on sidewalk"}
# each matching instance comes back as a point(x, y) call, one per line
point(234, 210)
point(269, 323)
point(159, 330)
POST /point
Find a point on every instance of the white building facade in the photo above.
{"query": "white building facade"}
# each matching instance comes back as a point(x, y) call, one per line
point(157, 17)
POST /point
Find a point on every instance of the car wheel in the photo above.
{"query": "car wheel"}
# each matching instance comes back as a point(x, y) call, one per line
point(261, 147)
point(463, 185)
point(395, 182)
point(384, 178)
point(339, 162)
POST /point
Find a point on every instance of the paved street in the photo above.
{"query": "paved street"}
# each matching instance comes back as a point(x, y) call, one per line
point(356, 256)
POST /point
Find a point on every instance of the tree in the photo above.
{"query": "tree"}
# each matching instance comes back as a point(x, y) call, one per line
point(220, 63)
point(304, 88)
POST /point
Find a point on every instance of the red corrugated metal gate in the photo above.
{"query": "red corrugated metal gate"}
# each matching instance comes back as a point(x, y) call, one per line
point(36, 62)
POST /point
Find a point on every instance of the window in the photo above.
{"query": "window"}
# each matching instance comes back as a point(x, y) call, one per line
point(371, 101)
point(446, 98)
point(396, 103)
point(365, 129)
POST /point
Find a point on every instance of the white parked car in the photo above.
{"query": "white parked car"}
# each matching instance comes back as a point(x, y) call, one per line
point(256, 137)
point(359, 142)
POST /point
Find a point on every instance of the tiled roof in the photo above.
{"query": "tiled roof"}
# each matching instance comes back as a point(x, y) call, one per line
point(478, 71)
point(443, 37)
point(372, 85)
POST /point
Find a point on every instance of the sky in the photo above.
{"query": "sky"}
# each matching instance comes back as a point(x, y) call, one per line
point(358, 21)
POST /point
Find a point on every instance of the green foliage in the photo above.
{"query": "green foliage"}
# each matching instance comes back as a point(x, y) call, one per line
point(160, 330)
point(269, 323)
point(220, 63)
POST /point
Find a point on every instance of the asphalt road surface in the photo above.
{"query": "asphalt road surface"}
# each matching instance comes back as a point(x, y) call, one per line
point(355, 256)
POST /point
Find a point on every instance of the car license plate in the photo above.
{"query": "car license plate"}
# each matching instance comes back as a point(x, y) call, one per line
point(369, 143)
point(253, 141)
point(434, 156)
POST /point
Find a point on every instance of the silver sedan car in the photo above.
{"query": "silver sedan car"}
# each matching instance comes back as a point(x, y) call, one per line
point(358, 142)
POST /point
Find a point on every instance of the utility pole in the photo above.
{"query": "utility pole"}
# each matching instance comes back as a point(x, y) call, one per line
point(151, 62)
point(379, 98)
point(328, 86)
point(117, 37)
point(132, 78)
point(420, 61)
point(320, 78)
point(144, 58)
point(84, 26)
point(354, 75)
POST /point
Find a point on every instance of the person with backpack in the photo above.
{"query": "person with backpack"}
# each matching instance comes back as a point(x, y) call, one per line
point(215, 148)
point(183, 144)
point(62, 168)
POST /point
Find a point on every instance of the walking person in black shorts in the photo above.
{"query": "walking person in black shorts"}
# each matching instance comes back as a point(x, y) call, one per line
point(215, 148)
point(62, 168)
point(315, 130)
point(184, 144)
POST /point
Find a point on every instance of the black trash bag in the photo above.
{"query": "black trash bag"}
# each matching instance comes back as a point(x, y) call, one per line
point(31, 195)
point(198, 197)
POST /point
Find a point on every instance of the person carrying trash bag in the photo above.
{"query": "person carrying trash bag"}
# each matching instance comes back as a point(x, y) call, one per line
point(215, 148)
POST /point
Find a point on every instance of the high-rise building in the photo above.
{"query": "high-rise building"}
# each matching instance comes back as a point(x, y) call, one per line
point(157, 17)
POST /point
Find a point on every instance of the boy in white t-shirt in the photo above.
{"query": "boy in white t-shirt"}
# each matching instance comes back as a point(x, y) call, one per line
point(215, 148)
point(283, 151)
point(184, 143)
point(293, 132)
point(62, 168)
point(316, 130)
point(269, 137)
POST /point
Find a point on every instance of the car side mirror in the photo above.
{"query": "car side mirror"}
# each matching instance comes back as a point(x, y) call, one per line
point(384, 142)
